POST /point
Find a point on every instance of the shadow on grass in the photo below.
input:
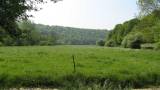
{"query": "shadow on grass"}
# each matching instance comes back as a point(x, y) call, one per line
point(78, 81)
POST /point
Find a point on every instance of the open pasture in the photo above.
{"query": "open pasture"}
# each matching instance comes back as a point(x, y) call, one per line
point(52, 66)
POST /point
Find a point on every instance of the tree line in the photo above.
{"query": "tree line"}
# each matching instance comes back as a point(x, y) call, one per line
point(38, 34)
point(73, 36)
point(131, 34)
point(15, 29)
point(140, 32)
point(137, 32)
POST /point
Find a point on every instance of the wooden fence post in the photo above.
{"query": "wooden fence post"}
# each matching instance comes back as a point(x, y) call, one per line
point(74, 64)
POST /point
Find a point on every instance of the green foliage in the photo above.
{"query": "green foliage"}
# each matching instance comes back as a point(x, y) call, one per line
point(2, 34)
point(157, 46)
point(100, 43)
point(149, 27)
point(148, 6)
point(1, 44)
point(29, 36)
point(110, 43)
point(8, 41)
point(73, 36)
point(5, 39)
point(44, 43)
point(156, 32)
point(136, 32)
point(133, 41)
point(36, 34)
point(148, 46)
point(117, 35)
point(13, 10)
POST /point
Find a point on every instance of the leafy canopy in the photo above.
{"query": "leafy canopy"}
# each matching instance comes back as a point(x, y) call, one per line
point(12, 10)
point(148, 6)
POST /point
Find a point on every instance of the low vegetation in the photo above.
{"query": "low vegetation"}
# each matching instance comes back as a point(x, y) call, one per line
point(44, 66)
point(148, 46)
point(34, 60)
point(100, 43)
point(157, 46)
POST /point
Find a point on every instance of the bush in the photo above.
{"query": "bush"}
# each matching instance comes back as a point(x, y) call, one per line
point(100, 43)
point(148, 46)
point(44, 43)
point(2, 34)
point(8, 41)
point(1, 44)
point(157, 47)
point(133, 41)
point(110, 43)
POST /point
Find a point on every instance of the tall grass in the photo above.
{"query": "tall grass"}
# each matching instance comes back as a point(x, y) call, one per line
point(96, 67)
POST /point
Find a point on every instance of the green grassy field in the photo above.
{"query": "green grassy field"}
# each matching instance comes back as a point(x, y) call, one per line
point(51, 66)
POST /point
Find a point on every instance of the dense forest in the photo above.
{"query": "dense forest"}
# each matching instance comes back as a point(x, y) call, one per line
point(14, 31)
point(73, 36)
point(142, 32)
point(139, 32)
point(38, 34)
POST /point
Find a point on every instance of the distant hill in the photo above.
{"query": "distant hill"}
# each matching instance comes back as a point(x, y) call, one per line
point(73, 36)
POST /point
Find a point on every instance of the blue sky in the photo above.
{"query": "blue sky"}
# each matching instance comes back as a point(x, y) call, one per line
point(97, 14)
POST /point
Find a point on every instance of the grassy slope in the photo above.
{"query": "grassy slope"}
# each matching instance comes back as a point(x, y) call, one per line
point(47, 66)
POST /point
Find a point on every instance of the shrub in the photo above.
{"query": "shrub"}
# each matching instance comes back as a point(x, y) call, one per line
point(44, 43)
point(2, 33)
point(157, 47)
point(147, 46)
point(1, 44)
point(110, 43)
point(133, 41)
point(125, 43)
point(156, 32)
point(100, 43)
point(8, 41)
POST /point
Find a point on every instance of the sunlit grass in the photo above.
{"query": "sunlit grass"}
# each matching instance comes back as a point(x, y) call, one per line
point(52, 66)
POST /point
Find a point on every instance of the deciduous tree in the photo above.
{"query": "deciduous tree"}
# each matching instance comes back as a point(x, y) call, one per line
point(12, 10)
point(148, 6)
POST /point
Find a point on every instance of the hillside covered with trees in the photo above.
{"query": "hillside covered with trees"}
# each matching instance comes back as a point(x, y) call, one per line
point(75, 63)
point(38, 34)
point(136, 33)
point(73, 36)
point(131, 34)
point(140, 32)
point(15, 32)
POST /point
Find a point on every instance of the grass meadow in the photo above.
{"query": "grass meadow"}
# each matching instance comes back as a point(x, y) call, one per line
point(96, 67)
